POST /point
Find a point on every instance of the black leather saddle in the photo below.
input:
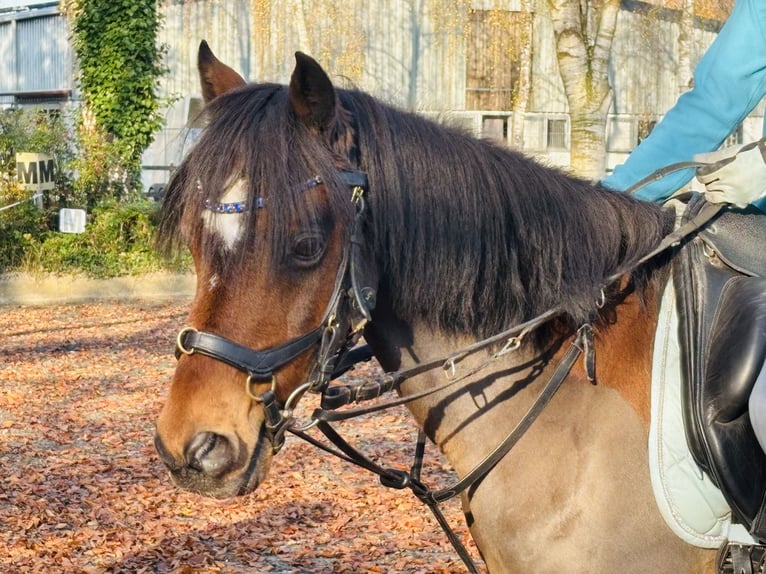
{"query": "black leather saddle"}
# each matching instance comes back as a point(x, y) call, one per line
point(720, 280)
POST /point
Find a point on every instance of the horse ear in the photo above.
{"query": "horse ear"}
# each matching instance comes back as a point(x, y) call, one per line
point(215, 77)
point(312, 95)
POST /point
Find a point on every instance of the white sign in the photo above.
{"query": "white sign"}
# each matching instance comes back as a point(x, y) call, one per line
point(36, 171)
point(72, 220)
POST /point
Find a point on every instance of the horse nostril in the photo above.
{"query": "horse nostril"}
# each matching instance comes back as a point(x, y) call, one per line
point(210, 454)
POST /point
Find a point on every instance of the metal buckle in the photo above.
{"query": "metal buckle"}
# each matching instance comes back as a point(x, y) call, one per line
point(450, 368)
point(180, 339)
point(249, 382)
point(357, 193)
point(512, 344)
point(733, 558)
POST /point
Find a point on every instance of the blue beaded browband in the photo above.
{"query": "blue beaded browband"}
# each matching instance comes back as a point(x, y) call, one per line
point(260, 203)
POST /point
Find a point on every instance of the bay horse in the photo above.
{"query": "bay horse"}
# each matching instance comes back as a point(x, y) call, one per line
point(445, 240)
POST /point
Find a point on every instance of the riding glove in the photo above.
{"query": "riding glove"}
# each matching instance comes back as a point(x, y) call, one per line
point(735, 175)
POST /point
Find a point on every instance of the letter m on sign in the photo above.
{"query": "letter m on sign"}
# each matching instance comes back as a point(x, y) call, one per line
point(47, 170)
point(36, 171)
point(27, 173)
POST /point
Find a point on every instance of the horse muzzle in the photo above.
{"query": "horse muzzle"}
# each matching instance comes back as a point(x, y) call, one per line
point(213, 465)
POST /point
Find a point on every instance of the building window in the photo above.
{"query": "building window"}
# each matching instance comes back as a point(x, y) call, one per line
point(492, 59)
point(557, 134)
point(495, 128)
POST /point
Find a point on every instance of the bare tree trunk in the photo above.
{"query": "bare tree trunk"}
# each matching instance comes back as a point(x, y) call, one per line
point(523, 85)
point(685, 39)
point(297, 12)
point(584, 31)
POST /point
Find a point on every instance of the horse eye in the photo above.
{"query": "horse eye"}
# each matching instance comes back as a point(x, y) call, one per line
point(308, 248)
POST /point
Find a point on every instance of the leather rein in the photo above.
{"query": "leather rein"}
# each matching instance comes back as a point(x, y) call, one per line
point(347, 312)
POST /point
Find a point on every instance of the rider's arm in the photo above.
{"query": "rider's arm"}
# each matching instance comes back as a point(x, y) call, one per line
point(729, 81)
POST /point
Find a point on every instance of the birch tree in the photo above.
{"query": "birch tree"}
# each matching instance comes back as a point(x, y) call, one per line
point(524, 84)
point(685, 45)
point(584, 30)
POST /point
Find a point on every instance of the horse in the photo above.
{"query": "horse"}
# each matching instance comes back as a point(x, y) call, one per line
point(318, 215)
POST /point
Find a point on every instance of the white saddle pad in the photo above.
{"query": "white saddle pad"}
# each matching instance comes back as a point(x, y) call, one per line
point(692, 506)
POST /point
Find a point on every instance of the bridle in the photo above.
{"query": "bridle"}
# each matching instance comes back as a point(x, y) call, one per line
point(347, 312)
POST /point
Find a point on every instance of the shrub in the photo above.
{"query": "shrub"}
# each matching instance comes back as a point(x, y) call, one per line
point(117, 241)
point(98, 160)
point(20, 228)
point(120, 65)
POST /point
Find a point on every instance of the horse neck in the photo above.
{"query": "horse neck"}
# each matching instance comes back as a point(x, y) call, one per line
point(472, 417)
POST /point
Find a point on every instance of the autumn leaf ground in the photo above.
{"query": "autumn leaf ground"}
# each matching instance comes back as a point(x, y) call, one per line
point(81, 489)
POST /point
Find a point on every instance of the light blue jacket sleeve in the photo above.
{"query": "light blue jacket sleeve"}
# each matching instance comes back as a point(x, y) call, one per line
point(729, 81)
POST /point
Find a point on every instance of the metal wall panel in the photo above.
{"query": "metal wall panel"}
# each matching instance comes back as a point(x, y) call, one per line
point(645, 73)
point(408, 52)
point(8, 59)
point(36, 54)
point(414, 54)
point(44, 60)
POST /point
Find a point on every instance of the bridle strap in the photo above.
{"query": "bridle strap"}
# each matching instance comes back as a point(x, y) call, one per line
point(582, 343)
point(662, 172)
point(354, 178)
point(337, 396)
point(392, 478)
point(674, 238)
point(259, 365)
point(399, 479)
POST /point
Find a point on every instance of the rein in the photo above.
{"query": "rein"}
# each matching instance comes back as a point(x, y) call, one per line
point(338, 335)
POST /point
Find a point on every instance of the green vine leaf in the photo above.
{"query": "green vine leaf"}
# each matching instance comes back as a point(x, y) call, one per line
point(120, 66)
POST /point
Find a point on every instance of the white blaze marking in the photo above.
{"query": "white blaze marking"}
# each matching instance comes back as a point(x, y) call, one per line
point(228, 226)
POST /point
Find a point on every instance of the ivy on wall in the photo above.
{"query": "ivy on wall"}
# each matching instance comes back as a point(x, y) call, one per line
point(120, 67)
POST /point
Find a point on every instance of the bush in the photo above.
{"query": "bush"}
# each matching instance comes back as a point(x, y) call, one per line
point(117, 241)
point(20, 228)
point(98, 151)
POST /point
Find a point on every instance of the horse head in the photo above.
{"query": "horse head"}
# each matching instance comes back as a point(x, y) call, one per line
point(271, 205)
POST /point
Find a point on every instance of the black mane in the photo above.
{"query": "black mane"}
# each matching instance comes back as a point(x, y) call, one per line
point(469, 235)
point(477, 237)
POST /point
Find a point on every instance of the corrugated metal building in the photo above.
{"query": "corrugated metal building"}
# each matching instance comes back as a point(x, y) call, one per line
point(456, 59)
point(36, 66)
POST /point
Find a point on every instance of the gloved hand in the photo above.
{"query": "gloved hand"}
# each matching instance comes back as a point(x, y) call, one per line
point(736, 174)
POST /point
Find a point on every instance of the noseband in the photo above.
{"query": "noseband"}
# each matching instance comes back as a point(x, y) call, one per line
point(348, 310)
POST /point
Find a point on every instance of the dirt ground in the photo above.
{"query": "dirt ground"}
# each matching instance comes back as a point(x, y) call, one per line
point(83, 491)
